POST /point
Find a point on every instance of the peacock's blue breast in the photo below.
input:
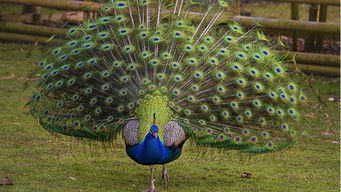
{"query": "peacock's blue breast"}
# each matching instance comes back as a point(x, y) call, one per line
point(152, 151)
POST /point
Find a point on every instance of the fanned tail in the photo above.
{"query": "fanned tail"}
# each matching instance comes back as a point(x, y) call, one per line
point(226, 87)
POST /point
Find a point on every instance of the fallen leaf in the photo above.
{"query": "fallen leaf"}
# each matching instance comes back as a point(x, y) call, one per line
point(6, 181)
point(29, 78)
point(331, 99)
point(329, 132)
point(334, 98)
point(11, 76)
point(72, 178)
point(311, 115)
point(246, 175)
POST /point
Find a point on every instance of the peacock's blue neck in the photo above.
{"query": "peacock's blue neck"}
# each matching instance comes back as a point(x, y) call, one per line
point(152, 151)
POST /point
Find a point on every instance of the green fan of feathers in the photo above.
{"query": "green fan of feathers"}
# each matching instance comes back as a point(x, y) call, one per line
point(224, 85)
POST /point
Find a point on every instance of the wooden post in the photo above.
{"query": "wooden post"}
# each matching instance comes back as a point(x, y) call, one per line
point(319, 37)
point(294, 16)
point(309, 44)
point(238, 7)
point(87, 14)
point(35, 11)
point(28, 9)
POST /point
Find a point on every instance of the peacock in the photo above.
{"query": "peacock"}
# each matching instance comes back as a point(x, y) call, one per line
point(161, 72)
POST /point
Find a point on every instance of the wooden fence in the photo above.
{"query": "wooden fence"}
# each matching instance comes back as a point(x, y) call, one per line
point(317, 13)
point(308, 62)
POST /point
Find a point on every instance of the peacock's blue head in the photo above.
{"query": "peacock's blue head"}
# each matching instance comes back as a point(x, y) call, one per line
point(154, 130)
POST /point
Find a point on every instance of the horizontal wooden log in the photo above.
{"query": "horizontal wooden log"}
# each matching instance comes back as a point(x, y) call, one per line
point(278, 24)
point(90, 6)
point(289, 25)
point(61, 4)
point(251, 21)
point(31, 29)
point(28, 38)
point(22, 18)
point(313, 58)
point(266, 24)
point(300, 34)
point(322, 2)
point(72, 17)
point(323, 70)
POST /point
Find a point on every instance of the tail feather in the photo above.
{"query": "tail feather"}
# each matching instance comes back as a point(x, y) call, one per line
point(221, 81)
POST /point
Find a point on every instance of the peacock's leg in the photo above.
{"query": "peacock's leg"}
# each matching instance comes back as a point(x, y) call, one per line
point(165, 176)
point(152, 180)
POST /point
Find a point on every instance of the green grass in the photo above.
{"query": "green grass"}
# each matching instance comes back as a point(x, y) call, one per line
point(36, 161)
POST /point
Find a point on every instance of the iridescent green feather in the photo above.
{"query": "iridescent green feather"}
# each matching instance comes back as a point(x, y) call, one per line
point(222, 83)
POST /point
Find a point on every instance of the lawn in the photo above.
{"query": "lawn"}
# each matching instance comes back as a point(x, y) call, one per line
point(34, 160)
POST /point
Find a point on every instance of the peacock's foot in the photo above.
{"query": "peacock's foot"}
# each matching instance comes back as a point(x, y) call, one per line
point(152, 180)
point(165, 177)
point(151, 188)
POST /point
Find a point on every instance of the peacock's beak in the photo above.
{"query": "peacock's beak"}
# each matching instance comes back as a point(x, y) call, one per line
point(153, 130)
point(154, 134)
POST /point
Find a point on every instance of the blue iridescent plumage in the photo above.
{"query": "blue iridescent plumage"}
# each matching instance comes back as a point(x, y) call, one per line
point(152, 150)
